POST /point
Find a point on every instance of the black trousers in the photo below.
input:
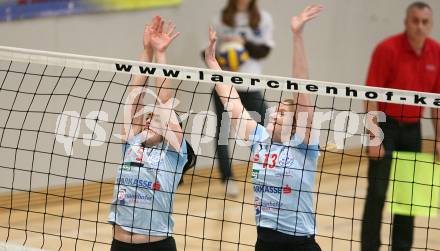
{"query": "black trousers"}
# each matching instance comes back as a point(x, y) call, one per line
point(309, 245)
point(169, 244)
point(252, 101)
point(398, 136)
point(272, 240)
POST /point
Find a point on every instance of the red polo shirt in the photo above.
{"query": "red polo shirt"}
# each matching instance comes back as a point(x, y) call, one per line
point(394, 64)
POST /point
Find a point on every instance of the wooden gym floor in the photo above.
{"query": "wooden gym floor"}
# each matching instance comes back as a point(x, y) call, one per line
point(203, 215)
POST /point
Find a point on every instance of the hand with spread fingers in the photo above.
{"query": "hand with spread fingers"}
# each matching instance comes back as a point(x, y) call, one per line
point(163, 36)
point(310, 12)
point(149, 29)
point(210, 58)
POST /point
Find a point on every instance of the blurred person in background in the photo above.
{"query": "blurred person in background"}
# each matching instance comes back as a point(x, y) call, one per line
point(245, 39)
point(406, 61)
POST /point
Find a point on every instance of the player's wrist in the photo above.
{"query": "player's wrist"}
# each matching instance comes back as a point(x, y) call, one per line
point(297, 35)
point(146, 56)
point(213, 65)
point(160, 56)
point(148, 49)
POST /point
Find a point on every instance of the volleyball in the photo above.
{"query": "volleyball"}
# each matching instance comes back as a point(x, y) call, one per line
point(232, 55)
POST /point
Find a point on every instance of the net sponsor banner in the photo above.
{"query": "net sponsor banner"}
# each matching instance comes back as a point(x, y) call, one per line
point(324, 88)
point(23, 9)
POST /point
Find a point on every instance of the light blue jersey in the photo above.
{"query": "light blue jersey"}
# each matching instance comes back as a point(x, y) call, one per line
point(144, 190)
point(283, 177)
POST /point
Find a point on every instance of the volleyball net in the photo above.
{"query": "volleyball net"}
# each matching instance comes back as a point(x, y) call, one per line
point(60, 146)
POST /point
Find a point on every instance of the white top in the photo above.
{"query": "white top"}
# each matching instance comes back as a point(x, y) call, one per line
point(262, 35)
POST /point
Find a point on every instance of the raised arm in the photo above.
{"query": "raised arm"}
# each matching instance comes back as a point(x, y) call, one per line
point(304, 109)
point(161, 38)
point(241, 121)
point(134, 119)
point(164, 121)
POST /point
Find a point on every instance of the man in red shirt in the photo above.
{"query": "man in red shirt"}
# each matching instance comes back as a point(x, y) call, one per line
point(407, 61)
